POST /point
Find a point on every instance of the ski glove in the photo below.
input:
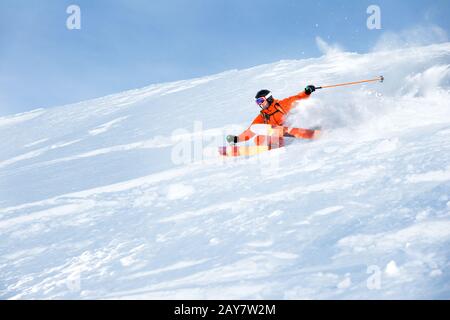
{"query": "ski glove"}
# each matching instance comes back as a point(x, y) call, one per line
point(310, 89)
point(232, 139)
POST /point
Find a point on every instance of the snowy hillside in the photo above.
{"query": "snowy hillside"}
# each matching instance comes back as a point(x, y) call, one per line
point(121, 197)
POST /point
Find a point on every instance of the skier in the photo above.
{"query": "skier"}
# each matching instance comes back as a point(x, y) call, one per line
point(273, 112)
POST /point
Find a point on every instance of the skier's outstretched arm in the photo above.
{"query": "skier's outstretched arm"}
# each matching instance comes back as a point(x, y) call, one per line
point(288, 103)
point(247, 134)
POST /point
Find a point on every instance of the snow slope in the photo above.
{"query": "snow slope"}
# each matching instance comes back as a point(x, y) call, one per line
point(121, 197)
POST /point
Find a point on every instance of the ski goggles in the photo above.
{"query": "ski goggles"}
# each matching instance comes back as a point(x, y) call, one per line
point(261, 100)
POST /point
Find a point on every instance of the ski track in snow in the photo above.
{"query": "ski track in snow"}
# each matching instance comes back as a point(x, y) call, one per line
point(93, 207)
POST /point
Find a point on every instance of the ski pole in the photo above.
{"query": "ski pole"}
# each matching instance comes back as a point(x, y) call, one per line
point(380, 78)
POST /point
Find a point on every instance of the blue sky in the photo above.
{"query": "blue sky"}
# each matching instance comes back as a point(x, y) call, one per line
point(126, 44)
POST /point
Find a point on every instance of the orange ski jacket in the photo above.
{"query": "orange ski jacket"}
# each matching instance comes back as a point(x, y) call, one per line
point(274, 115)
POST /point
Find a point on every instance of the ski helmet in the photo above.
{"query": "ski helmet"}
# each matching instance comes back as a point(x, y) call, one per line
point(266, 94)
